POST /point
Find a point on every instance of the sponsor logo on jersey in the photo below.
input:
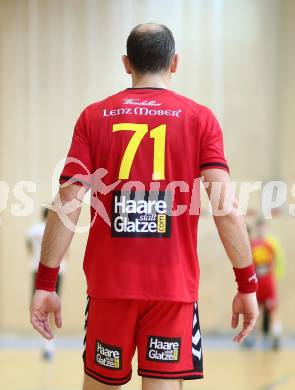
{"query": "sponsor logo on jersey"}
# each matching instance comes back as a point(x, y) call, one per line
point(161, 223)
point(163, 349)
point(137, 102)
point(108, 356)
point(141, 111)
point(141, 214)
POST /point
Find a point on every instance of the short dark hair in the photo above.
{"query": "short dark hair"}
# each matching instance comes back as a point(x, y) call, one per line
point(150, 50)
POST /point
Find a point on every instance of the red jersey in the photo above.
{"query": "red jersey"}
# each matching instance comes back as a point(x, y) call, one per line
point(264, 260)
point(141, 152)
point(264, 257)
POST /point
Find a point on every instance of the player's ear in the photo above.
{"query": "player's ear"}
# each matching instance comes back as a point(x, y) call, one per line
point(126, 64)
point(174, 63)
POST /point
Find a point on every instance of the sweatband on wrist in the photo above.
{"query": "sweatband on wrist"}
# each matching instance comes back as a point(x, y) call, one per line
point(46, 278)
point(246, 279)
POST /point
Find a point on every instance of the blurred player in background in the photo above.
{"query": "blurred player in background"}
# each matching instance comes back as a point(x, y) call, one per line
point(270, 267)
point(34, 238)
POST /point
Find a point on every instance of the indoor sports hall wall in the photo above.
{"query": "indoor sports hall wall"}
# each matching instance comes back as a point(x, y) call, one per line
point(57, 56)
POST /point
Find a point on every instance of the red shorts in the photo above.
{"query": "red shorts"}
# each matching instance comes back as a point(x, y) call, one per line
point(166, 334)
point(267, 294)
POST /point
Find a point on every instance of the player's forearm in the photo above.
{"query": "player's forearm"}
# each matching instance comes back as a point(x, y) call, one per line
point(58, 236)
point(233, 233)
point(231, 226)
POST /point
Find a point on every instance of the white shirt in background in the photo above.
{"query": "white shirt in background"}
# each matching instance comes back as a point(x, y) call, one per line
point(35, 235)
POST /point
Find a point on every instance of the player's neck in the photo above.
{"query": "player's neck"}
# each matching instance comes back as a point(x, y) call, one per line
point(151, 81)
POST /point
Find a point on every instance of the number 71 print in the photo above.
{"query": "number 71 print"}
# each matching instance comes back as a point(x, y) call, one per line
point(140, 130)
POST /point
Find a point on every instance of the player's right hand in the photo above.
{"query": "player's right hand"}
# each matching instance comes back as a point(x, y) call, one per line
point(43, 304)
point(247, 306)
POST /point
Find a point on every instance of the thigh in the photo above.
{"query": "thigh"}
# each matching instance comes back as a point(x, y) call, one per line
point(110, 340)
point(169, 341)
point(92, 384)
point(161, 384)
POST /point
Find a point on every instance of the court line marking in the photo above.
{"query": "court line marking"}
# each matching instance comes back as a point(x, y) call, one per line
point(59, 388)
point(280, 381)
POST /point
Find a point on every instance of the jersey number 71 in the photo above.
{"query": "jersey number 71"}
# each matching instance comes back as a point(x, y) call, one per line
point(158, 134)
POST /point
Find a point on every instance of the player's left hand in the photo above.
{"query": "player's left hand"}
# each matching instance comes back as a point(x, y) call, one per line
point(44, 303)
point(247, 306)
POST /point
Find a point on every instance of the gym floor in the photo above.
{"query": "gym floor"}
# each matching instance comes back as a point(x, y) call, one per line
point(226, 367)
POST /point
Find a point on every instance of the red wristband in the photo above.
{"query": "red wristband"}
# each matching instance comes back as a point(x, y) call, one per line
point(246, 279)
point(46, 278)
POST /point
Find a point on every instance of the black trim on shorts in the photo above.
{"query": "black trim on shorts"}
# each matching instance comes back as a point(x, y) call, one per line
point(214, 164)
point(190, 377)
point(197, 362)
point(106, 377)
point(115, 381)
point(166, 372)
point(85, 328)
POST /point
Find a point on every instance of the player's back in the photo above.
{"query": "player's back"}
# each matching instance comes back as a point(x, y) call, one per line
point(147, 134)
point(152, 143)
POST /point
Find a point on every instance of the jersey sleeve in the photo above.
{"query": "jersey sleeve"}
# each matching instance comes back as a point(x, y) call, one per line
point(78, 166)
point(211, 145)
